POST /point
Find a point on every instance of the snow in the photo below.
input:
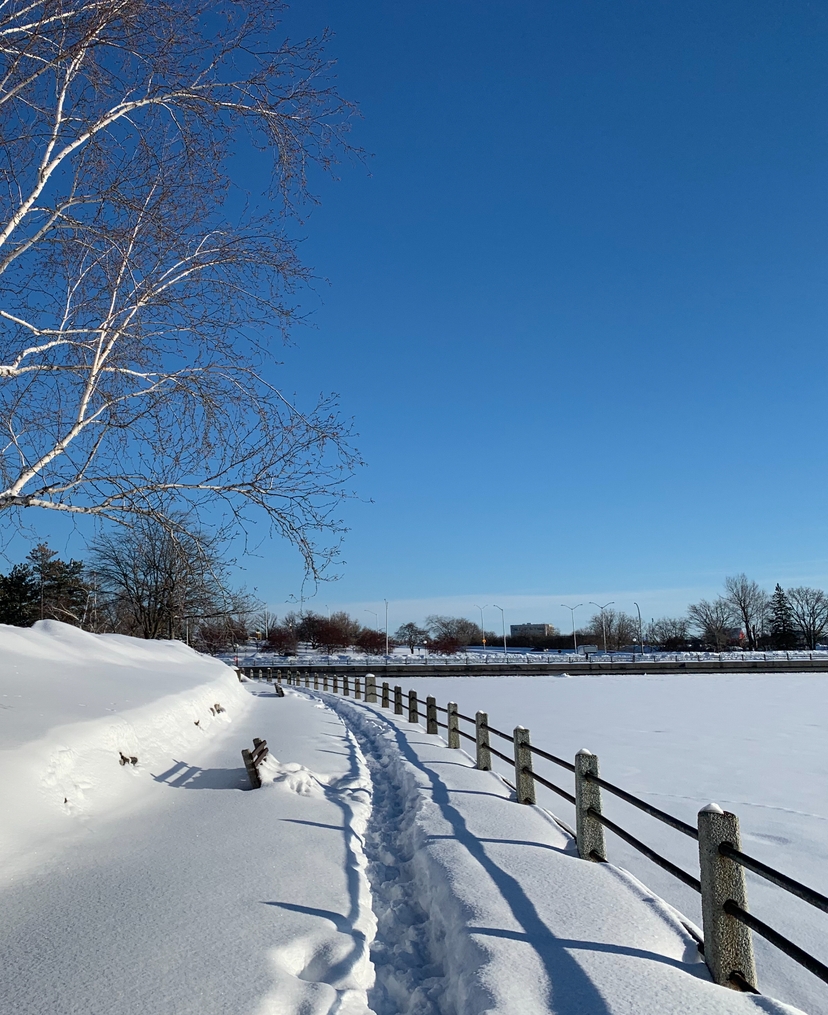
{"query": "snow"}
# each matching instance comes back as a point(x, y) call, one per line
point(756, 744)
point(375, 871)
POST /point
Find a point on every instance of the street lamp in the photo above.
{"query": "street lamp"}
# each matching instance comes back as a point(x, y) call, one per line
point(640, 628)
point(603, 625)
point(572, 609)
point(503, 622)
point(386, 627)
point(482, 628)
point(376, 618)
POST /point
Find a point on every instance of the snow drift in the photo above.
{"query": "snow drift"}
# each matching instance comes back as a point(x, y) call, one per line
point(71, 703)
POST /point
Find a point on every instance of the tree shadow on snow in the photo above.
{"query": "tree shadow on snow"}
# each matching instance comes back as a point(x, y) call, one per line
point(570, 989)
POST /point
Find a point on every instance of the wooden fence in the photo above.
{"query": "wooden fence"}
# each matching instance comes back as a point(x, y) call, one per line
point(726, 945)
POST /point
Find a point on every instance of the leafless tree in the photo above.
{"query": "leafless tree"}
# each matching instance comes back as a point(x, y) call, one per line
point(749, 603)
point(713, 620)
point(810, 610)
point(160, 584)
point(668, 629)
point(411, 634)
point(621, 629)
point(141, 296)
point(454, 629)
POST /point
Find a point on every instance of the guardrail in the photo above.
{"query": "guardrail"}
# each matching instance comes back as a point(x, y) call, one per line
point(727, 922)
point(540, 664)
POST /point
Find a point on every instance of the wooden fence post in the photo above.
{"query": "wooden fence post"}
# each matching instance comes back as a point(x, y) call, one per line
point(728, 947)
point(346, 690)
point(335, 684)
point(431, 715)
point(385, 698)
point(270, 674)
point(370, 688)
point(481, 731)
point(413, 708)
point(453, 725)
point(524, 779)
point(325, 681)
point(307, 679)
point(589, 831)
point(357, 688)
point(398, 705)
point(315, 681)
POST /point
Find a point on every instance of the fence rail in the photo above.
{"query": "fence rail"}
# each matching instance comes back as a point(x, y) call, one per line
point(726, 945)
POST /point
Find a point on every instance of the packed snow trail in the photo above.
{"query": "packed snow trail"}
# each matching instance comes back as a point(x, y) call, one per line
point(515, 921)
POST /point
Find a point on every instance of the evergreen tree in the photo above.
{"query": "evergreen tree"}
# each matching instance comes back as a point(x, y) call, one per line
point(19, 597)
point(783, 625)
point(62, 590)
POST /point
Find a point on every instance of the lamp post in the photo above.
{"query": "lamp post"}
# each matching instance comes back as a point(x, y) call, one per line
point(376, 618)
point(386, 627)
point(572, 609)
point(503, 622)
point(482, 628)
point(603, 625)
point(640, 628)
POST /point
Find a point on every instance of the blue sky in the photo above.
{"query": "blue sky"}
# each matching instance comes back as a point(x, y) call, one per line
point(575, 302)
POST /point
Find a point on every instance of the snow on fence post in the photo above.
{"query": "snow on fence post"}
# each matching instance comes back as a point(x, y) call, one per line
point(315, 681)
point(385, 697)
point(325, 681)
point(346, 690)
point(270, 674)
point(481, 731)
point(431, 715)
point(370, 688)
point(357, 688)
point(413, 708)
point(524, 779)
point(307, 679)
point(453, 725)
point(589, 830)
point(728, 947)
point(335, 684)
point(398, 705)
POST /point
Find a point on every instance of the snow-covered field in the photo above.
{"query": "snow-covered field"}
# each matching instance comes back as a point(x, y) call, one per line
point(756, 743)
point(375, 871)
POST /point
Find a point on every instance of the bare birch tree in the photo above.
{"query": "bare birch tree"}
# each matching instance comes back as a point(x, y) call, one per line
point(141, 296)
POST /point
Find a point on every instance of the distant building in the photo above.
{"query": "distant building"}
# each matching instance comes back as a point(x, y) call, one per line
point(532, 630)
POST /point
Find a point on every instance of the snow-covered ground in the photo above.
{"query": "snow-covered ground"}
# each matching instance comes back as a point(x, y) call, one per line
point(755, 743)
point(374, 871)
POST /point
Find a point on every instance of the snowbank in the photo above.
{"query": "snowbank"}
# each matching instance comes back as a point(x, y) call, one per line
point(70, 704)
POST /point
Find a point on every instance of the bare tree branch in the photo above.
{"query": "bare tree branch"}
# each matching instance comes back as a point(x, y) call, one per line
point(138, 314)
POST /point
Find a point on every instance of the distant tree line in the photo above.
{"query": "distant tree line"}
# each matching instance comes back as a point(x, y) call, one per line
point(744, 615)
point(148, 582)
point(142, 581)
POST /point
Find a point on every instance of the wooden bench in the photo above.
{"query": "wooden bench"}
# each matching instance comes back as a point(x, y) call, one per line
point(252, 760)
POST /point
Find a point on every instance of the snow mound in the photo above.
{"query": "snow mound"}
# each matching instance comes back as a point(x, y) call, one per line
point(86, 719)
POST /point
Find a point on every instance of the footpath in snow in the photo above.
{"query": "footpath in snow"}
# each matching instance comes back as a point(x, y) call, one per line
point(376, 870)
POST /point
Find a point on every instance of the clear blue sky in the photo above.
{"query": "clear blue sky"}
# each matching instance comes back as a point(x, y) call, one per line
point(577, 303)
